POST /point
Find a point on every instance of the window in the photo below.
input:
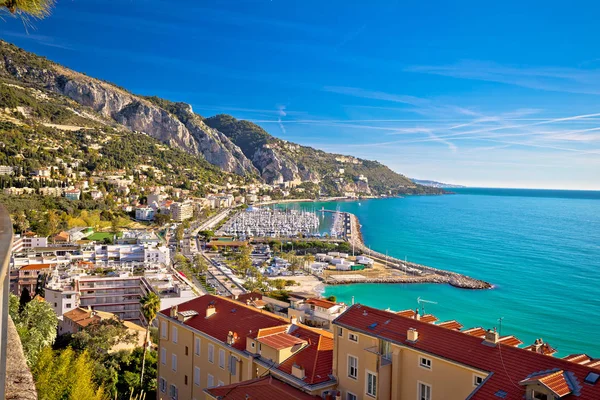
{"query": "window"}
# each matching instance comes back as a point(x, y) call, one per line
point(186, 350)
point(351, 396)
point(233, 365)
point(477, 380)
point(55, 305)
point(163, 356)
point(210, 381)
point(222, 359)
point(352, 337)
point(340, 331)
point(424, 391)
point(68, 305)
point(211, 353)
point(253, 345)
point(162, 384)
point(174, 362)
point(352, 367)
point(196, 376)
point(174, 335)
point(185, 380)
point(540, 396)
point(197, 346)
point(69, 296)
point(163, 330)
point(173, 392)
point(425, 362)
point(371, 384)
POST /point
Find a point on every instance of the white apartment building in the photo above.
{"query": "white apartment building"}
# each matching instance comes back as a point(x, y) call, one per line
point(144, 213)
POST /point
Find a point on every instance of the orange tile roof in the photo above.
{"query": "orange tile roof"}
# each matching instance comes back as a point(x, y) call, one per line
point(555, 381)
point(507, 365)
point(326, 304)
point(477, 332)
point(265, 388)
point(457, 326)
point(510, 341)
point(280, 341)
point(583, 359)
point(35, 267)
point(429, 318)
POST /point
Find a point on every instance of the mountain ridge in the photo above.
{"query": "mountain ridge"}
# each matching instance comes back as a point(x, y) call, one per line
point(235, 146)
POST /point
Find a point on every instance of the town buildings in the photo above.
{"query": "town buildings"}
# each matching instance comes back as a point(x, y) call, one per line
point(214, 341)
point(313, 311)
point(73, 194)
point(218, 348)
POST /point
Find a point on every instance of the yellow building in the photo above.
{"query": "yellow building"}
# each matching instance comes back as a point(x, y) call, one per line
point(392, 356)
point(215, 341)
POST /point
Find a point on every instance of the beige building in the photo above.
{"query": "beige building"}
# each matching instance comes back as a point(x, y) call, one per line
point(181, 211)
point(213, 341)
point(384, 355)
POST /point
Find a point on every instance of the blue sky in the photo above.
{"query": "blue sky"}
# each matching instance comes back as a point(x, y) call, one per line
point(504, 95)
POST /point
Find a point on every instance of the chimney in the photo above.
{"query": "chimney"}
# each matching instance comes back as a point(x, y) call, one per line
point(491, 336)
point(173, 312)
point(412, 335)
point(210, 310)
point(231, 338)
point(417, 315)
point(298, 371)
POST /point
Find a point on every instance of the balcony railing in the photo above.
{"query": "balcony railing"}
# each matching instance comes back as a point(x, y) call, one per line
point(16, 381)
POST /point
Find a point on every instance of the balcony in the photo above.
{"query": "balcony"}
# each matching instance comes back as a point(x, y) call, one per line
point(17, 382)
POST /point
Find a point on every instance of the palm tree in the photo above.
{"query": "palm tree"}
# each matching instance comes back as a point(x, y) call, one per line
point(28, 8)
point(150, 306)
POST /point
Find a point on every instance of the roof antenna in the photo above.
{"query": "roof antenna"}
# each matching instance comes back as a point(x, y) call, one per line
point(421, 302)
point(500, 322)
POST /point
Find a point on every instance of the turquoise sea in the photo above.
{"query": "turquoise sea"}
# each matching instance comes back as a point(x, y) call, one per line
point(540, 248)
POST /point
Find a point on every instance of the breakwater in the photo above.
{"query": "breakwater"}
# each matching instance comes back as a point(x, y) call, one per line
point(414, 273)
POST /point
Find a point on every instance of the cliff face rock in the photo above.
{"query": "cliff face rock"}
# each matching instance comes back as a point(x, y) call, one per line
point(186, 131)
point(275, 167)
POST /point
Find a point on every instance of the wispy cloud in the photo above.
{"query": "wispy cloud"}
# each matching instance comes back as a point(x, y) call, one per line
point(281, 113)
point(557, 79)
point(43, 40)
point(376, 95)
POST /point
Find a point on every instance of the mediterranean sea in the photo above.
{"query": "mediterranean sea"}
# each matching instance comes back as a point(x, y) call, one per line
point(540, 248)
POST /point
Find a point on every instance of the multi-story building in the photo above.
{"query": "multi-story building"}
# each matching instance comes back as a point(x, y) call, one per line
point(214, 341)
point(26, 277)
point(387, 356)
point(144, 213)
point(182, 211)
point(28, 241)
point(72, 194)
point(118, 295)
point(62, 298)
point(313, 311)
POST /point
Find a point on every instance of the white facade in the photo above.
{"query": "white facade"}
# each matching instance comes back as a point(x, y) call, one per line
point(144, 214)
point(62, 300)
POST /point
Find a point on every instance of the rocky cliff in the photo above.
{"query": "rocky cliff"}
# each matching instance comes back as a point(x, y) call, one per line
point(186, 131)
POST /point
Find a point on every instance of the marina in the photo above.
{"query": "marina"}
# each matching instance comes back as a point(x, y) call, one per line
point(267, 222)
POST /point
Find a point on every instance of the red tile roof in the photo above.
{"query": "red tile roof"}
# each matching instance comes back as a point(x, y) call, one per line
point(266, 388)
point(280, 341)
point(510, 365)
point(555, 381)
point(457, 326)
point(230, 316)
point(252, 296)
point(477, 332)
point(246, 321)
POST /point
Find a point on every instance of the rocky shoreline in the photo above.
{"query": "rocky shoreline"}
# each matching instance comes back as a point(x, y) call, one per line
point(423, 274)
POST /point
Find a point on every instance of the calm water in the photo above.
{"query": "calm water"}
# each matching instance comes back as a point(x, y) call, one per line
point(540, 248)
